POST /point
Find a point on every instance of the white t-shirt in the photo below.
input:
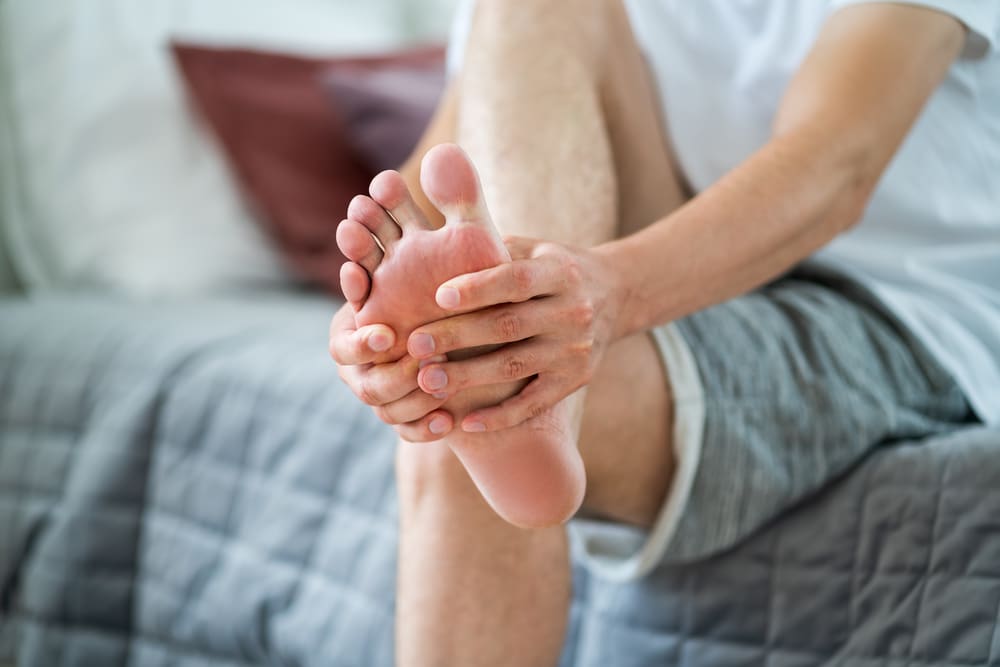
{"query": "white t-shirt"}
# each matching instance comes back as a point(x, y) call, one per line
point(929, 242)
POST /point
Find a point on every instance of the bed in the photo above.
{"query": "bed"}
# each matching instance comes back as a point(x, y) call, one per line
point(186, 482)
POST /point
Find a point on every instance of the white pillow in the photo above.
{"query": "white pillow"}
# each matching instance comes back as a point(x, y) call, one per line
point(106, 179)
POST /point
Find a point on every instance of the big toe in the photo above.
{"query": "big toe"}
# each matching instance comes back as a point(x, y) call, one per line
point(451, 183)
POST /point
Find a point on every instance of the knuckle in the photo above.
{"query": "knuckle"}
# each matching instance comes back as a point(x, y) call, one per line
point(583, 314)
point(520, 276)
point(508, 326)
point(513, 367)
point(571, 270)
point(385, 415)
point(534, 410)
point(583, 349)
point(337, 351)
point(368, 393)
point(447, 338)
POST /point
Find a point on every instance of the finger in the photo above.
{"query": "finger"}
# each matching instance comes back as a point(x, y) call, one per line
point(342, 328)
point(509, 363)
point(354, 283)
point(534, 400)
point(412, 407)
point(383, 384)
point(433, 427)
point(492, 326)
point(350, 346)
point(512, 282)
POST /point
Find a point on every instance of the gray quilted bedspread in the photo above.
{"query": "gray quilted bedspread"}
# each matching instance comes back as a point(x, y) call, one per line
point(189, 484)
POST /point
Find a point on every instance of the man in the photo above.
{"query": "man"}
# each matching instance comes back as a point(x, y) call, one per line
point(652, 226)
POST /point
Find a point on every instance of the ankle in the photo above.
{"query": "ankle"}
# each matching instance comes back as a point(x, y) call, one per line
point(429, 473)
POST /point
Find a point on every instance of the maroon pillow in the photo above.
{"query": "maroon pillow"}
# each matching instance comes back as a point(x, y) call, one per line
point(289, 145)
point(387, 109)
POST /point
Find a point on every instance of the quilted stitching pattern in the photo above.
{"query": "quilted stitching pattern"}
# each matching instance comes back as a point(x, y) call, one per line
point(191, 485)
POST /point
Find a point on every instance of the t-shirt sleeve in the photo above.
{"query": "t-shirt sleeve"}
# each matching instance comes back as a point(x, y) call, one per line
point(980, 17)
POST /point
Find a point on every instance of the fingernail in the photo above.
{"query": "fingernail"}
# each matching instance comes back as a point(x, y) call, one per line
point(474, 427)
point(447, 297)
point(379, 342)
point(440, 397)
point(436, 379)
point(422, 344)
point(438, 425)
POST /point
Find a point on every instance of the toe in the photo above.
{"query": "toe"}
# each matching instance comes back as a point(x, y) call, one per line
point(451, 183)
point(389, 191)
point(354, 283)
point(374, 217)
point(358, 244)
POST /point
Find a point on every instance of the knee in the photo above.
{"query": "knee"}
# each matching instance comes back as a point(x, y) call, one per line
point(587, 24)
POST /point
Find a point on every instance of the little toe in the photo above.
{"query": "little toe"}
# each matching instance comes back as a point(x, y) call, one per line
point(451, 182)
point(389, 191)
point(374, 217)
point(358, 244)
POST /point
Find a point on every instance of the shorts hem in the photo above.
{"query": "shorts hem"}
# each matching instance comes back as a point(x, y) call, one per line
point(621, 553)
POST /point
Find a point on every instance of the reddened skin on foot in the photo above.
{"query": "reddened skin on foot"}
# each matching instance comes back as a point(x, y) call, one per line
point(532, 474)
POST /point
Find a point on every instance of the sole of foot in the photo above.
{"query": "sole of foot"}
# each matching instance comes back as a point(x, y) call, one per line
point(531, 475)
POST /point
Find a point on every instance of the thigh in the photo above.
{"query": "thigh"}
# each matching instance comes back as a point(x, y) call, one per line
point(625, 437)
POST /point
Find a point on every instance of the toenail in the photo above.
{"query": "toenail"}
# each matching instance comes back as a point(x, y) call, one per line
point(438, 425)
point(447, 297)
point(422, 344)
point(474, 427)
point(379, 342)
point(436, 379)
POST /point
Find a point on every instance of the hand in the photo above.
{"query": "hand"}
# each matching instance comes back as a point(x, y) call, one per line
point(390, 388)
point(554, 307)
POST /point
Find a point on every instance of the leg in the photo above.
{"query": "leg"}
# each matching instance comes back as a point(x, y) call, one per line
point(564, 90)
point(516, 581)
point(626, 438)
point(629, 180)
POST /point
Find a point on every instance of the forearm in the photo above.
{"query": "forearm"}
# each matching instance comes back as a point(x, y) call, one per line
point(843, 117)
point(781, 205)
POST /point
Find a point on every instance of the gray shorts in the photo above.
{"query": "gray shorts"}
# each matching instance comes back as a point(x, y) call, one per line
point(775, 393)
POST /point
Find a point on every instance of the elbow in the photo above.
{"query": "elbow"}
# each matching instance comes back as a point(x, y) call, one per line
point(845, 159)
point(849, 211)
point(856, 193)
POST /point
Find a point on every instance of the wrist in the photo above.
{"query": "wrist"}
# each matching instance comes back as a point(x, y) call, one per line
point(618, 265)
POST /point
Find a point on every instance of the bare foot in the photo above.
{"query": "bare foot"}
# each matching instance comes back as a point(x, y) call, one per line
point(532, 475)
